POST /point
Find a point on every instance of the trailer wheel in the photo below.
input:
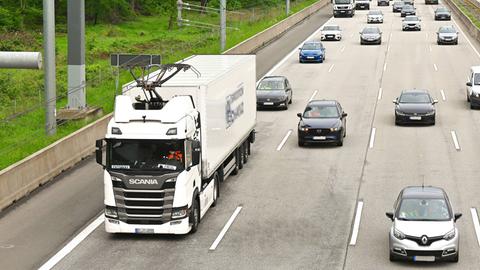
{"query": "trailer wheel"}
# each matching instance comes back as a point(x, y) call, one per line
point(195, 216)
point(216, 189)
point(246, 147)
point(235, 171)
point(240, 153)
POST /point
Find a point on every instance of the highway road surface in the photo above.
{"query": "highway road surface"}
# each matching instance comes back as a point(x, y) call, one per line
point(297, 206)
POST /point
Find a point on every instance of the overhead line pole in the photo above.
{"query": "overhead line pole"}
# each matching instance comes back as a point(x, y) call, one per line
point(223, 24)
point(288, 7)
point(49, 53)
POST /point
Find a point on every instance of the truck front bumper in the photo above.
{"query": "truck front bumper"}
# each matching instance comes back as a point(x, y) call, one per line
point(343, 12)
point(180, 226)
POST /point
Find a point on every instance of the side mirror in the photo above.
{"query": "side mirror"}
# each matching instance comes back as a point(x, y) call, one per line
point(360, 33)
point(469, 84)
point(344, 115)
point(435, 101)
point(299, 115)
point(389, 215)
point(196, 152)
point(395, 101)
point(457, 216)
point(98, 152)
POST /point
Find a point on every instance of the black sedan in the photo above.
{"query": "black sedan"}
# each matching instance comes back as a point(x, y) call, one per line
point(323, 121)
point(274, 92)
point(408, 10)
point(415, 106)
point(397, 6)
point(442, 13)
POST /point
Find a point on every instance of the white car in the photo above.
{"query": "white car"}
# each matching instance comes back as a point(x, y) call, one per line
point(375, 16)
point(331, 32)
point(411, 23)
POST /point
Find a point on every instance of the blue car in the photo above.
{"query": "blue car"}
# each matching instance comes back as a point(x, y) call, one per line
point(312, 51)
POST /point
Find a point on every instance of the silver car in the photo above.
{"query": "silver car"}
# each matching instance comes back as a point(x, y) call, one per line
point(411, 23)
point(371, 35)
point(375, 16)
point(424, 227)
point(447, 35)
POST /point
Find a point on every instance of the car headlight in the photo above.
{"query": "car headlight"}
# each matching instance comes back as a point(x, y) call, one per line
point(303, 128)
point(450, 235)
point(476, 94)
point(400, 113)
point(335, 129)
point(179, 212)
point(398, 234)
point(430, 113)
point(111, 212)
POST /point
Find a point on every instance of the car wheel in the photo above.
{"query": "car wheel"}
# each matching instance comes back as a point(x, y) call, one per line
point(456, 42)
point(291, 100)
point(195, 216)
point(472, 106)
point(455, 258)
point(340, 142)
point(392, 257)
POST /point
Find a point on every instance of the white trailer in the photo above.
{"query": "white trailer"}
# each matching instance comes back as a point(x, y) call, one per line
point(171, 142)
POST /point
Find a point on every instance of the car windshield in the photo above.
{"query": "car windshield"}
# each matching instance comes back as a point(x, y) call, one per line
point(415, 98)
point(375, 12)
point(476, 78)
point(411, 18)
point(321, 111)
point(442, 10)
point(331, 28)
point(150, 155)
point(429, 209)
point(446, 30)
point(370, 31)
point(407, 7)
point(271, 85)
point(342, 2)
point(398, 4)
point(311, 46)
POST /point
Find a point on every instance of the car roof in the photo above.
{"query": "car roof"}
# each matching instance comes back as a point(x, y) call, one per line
point(415, 91)
point(420, 192)
point(323, 102)
point(273, 78)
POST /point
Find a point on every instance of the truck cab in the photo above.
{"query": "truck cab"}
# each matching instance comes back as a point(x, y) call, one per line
point(344, 8)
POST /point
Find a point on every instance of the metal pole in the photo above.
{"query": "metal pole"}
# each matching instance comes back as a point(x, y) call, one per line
point(179, 12)
point(288, 7)
point(76, 55)
point(223, 24)
point(49, 52)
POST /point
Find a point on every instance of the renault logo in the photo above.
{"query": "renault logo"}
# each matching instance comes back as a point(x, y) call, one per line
point(424, 239)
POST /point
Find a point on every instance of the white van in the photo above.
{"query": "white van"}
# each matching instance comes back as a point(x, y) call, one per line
point(473, 87)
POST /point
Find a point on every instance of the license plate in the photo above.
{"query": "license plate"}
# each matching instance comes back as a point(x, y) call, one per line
point(144, 230)
point(424, 258)
point(342, 11)
point(310, 57)
point(415, 118)
point(320, 138)
point(268, 103)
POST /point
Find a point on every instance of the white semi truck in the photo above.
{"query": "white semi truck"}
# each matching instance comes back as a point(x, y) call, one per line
point(175, 135)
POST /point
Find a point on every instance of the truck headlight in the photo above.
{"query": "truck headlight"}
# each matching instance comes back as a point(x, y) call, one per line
point(179, 212)
point(111, 212)
point(450, 235)
point(398, 234)
point(116, 179)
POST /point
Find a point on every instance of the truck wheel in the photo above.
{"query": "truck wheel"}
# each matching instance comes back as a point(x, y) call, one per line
point(195, 216)
point(216, 189)
point(240, 157)
point(245, 152)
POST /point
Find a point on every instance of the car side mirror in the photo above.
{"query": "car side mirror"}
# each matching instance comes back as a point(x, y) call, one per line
point(99, 152)
point(457, 216)
point(360, 33)
point(435, 101)
point(469, 84)
point(389, 215)
point(395, 101)
point(196, 152)
point(344, 115)
point(299, 115)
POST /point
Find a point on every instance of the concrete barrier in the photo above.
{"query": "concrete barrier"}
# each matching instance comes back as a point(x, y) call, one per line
point(268, 35)
point(23, 177)
point(469, 25)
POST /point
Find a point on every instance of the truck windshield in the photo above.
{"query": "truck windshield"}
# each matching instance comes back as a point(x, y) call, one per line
point(342, 2)
point(150, 155)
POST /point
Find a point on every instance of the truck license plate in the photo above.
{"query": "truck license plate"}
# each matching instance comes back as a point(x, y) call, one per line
point(319, 138)
point(424, 258)
point(144, 230)
point(415, 118)
point(268, 103)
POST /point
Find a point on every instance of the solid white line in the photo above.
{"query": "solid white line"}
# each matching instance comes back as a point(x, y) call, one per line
point(72, 244)
point(385, 66)
point(225, 228)
point(380, 93)
point(476, 224)
point(455, 140)
point(331, 67)
point(313, 95)
point(372, 138)
point(443, 95)
point(435, 67)
point(356, 224)
point(466, 37)
point(284, 140)
point(294, 50)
